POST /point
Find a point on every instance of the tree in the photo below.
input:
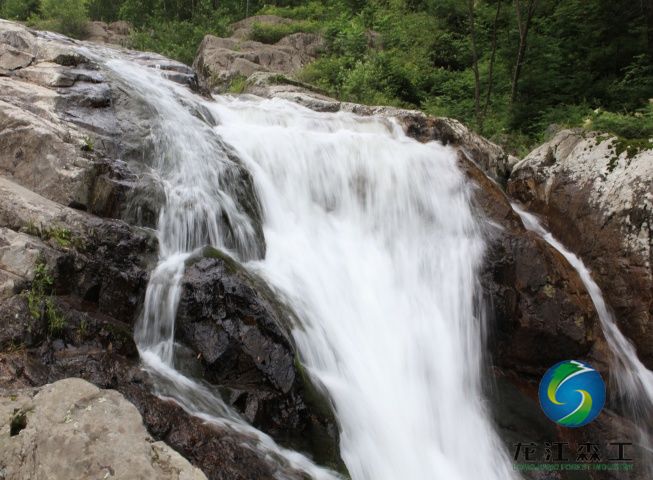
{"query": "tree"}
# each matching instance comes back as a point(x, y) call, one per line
point(480, 111)
point(477, 79)
point(18, 9)
point(524, 23)
point(493, 56)
point(69, 17)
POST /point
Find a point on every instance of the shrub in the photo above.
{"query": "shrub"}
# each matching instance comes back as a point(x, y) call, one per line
point(238, 84)
point(267, 33)
point(18, 9)
point(69, 17)
point(174, 39)
point(638, 125)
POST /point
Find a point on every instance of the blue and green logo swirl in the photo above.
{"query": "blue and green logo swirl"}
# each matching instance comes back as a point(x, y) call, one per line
point(572, 393)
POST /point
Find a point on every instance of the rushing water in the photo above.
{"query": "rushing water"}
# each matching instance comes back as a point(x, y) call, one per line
point(370, 239)
point(633, 380)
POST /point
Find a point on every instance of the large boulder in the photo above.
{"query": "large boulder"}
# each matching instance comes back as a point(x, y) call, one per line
point(540, 312)
point(116, 33)
point(241, 333)
point(596, 195)
point(221, 60)
point(74, 430)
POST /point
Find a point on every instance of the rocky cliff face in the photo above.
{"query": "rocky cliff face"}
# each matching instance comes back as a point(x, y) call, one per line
point(597, 196)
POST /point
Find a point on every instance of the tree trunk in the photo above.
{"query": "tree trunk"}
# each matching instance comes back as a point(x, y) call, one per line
point(524, 25)
point(490, 81)
point(477, 80)
point(649, 27)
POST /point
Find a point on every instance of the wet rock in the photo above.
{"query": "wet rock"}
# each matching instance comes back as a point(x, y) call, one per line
point(599, 202)
point(104, 262)
point(72, 429)
point(240, 331)
point(540, 312)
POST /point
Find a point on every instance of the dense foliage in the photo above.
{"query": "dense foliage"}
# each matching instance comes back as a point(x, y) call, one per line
point(509, 68)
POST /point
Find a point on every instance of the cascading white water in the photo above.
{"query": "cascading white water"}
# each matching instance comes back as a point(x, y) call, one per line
point(370, 239)
point(634, 381)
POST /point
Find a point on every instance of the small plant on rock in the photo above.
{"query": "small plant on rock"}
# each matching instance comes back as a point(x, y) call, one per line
point(40, 301)
point(88, 145)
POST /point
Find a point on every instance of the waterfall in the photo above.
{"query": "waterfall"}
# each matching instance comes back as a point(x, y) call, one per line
point(370, 240)
point(633, 380)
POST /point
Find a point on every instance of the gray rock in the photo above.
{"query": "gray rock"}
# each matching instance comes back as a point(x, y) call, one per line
point(70, 130)
point(116, 33)
point(73, 430)
point(219, 60)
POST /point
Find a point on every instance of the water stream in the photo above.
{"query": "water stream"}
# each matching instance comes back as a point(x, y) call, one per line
point(370, 239)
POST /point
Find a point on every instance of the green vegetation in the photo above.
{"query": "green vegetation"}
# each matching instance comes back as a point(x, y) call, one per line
point(88, 145)
point(62, 236)
point(18, 422)
point(266, 33)
point(510, 69)
point(40, 301)
point(237, 84)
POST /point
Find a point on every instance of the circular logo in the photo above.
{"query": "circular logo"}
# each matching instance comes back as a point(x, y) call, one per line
point(572, 393)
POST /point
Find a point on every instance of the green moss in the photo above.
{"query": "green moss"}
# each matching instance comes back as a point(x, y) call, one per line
point(210, 252)
point(630, 147)
point(320, 403)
